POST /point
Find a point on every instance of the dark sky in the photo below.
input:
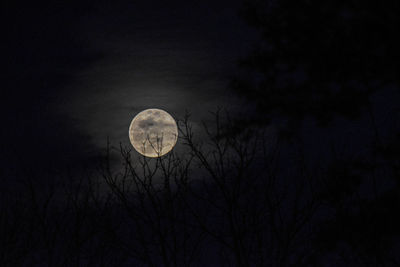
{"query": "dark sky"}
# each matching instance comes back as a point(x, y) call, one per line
point(77, 72)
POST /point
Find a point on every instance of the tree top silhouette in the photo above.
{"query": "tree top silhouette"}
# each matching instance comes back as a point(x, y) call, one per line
point(320, 58)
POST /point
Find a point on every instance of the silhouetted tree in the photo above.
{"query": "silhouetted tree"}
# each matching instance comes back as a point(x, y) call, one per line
point(325, 60)
point(225, 200)
point(320, 58)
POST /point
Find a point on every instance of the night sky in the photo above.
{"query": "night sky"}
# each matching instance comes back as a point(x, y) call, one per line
point(313, 86)
point(79, 71)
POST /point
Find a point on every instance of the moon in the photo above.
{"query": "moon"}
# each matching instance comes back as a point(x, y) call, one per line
point(153, 132)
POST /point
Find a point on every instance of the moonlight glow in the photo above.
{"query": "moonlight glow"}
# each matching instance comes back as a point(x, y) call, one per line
point(153, 132)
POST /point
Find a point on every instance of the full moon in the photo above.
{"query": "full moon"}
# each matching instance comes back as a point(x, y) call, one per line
point(153, 132)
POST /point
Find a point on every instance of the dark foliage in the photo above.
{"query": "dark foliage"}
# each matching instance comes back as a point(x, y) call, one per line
point(320, 58)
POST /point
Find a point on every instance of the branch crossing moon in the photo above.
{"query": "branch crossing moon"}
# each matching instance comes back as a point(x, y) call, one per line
point(153, 132)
